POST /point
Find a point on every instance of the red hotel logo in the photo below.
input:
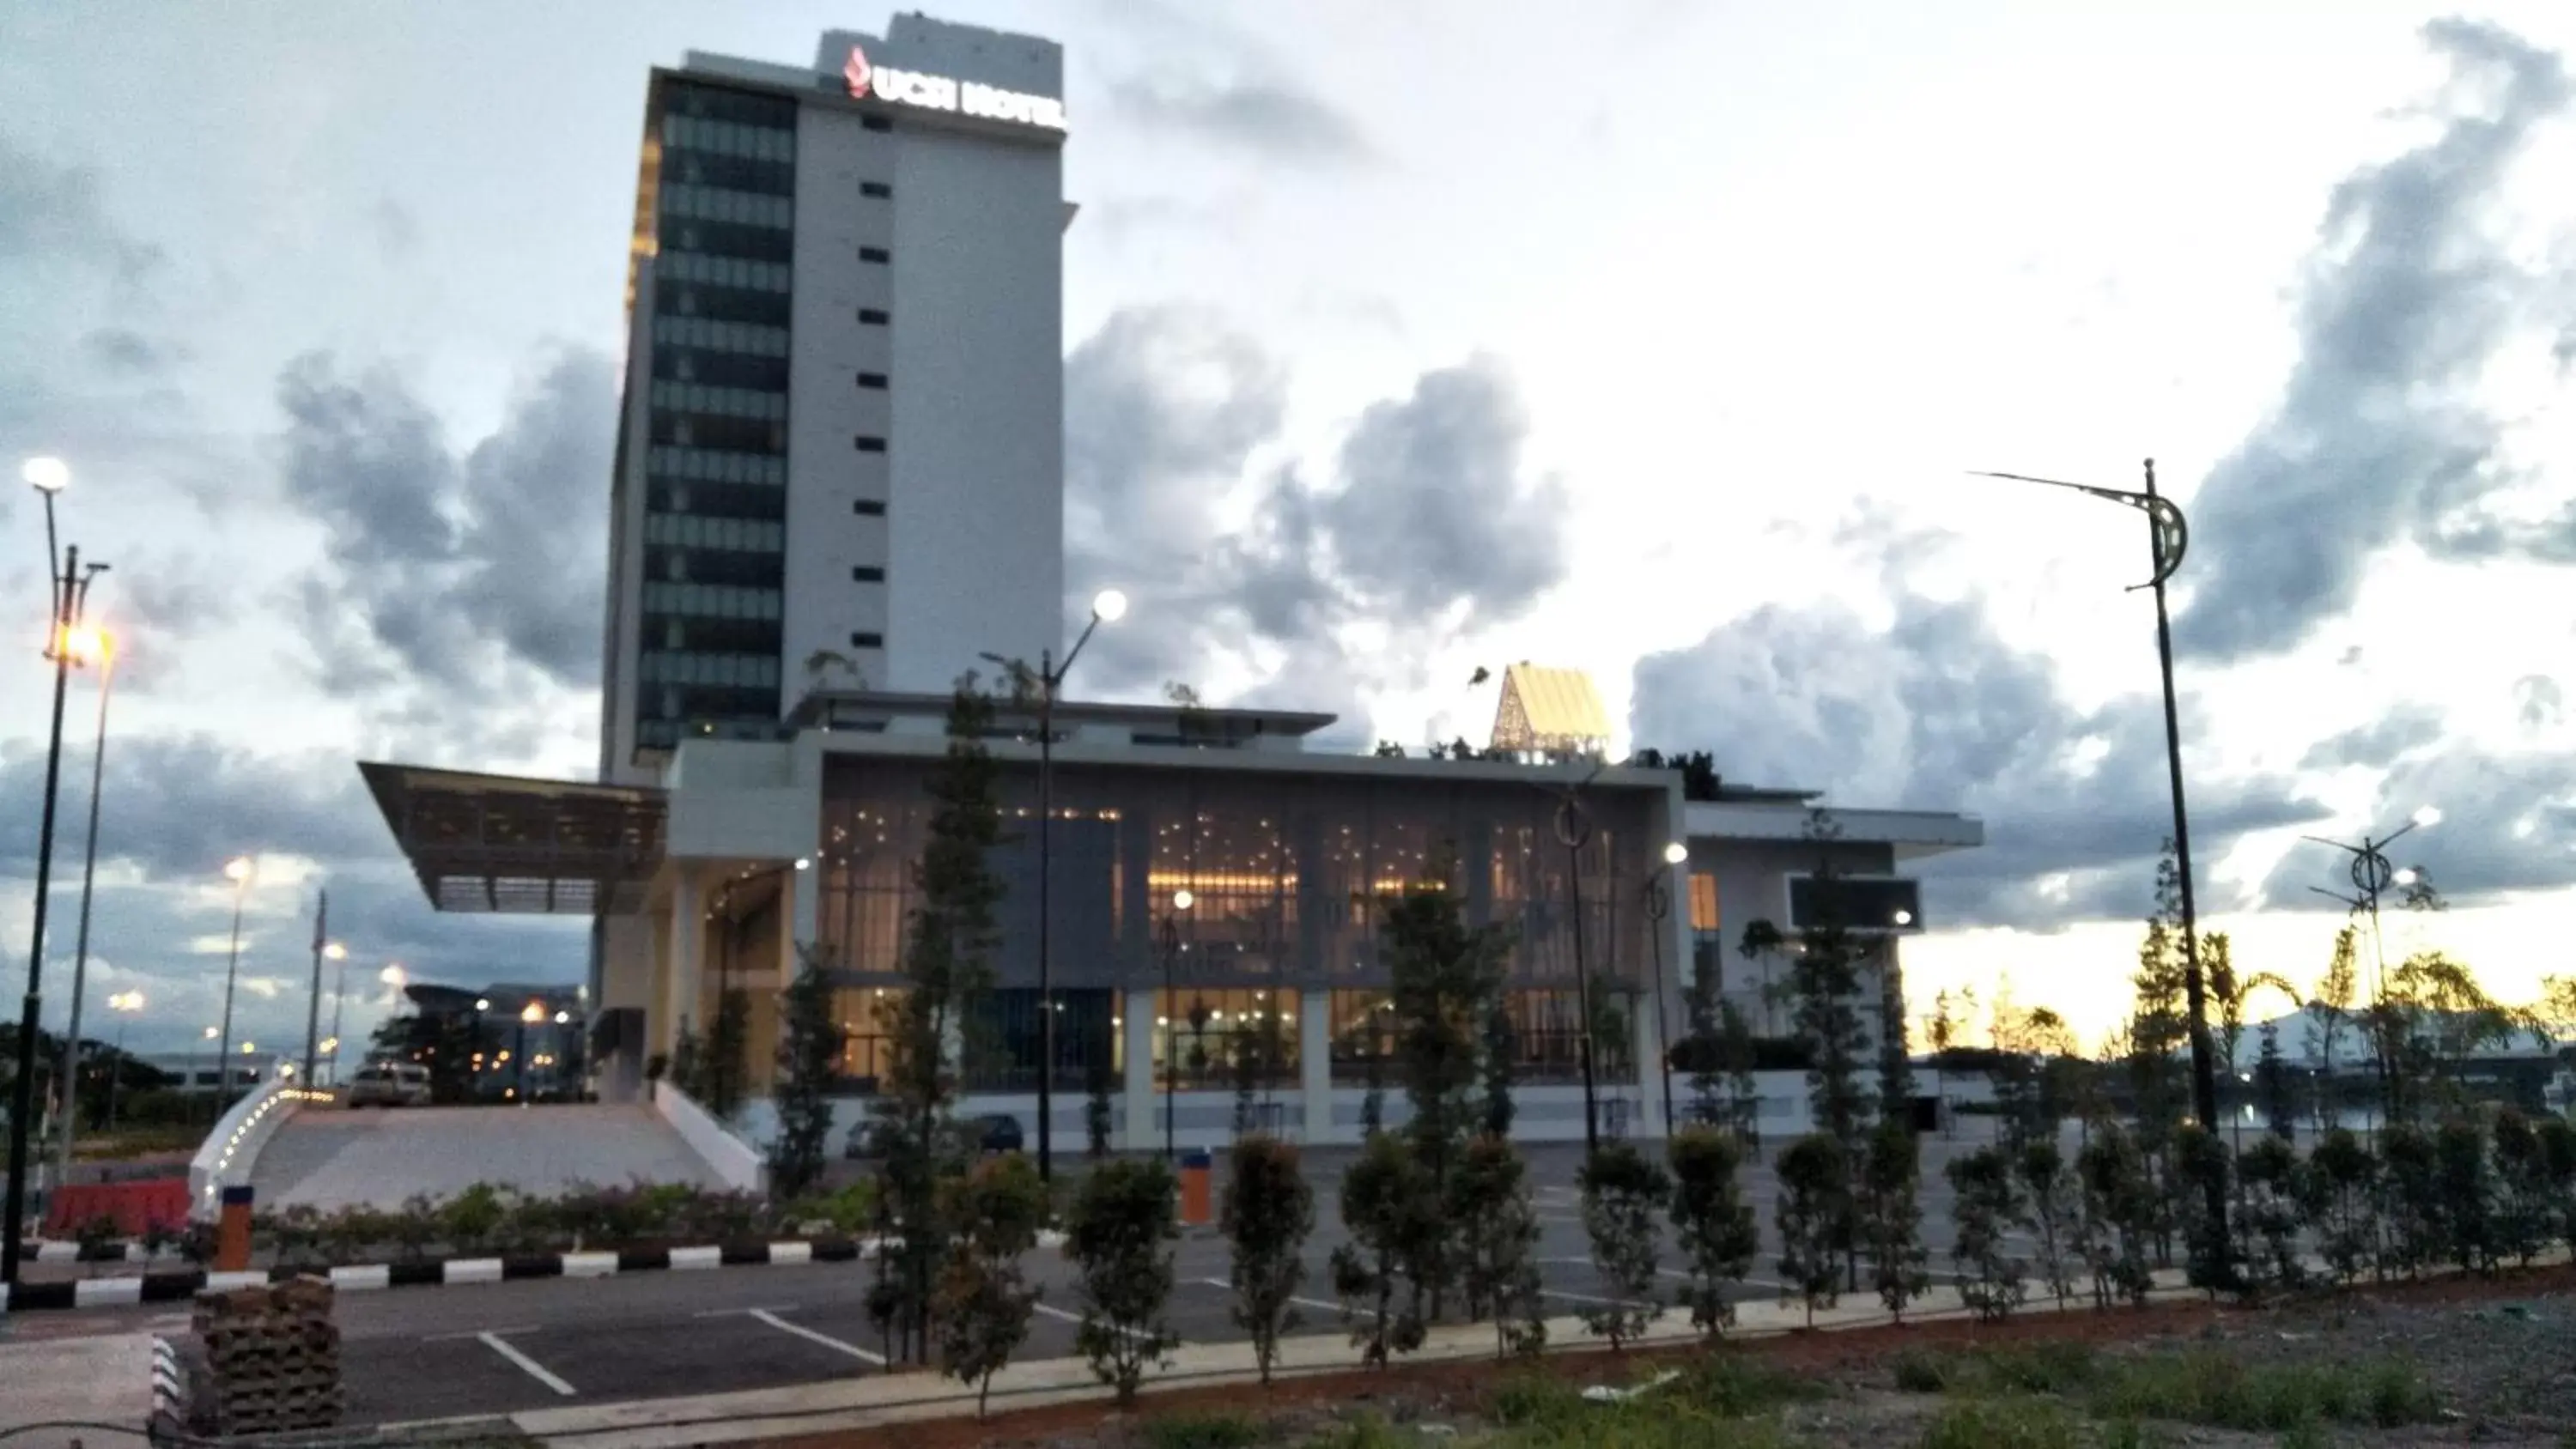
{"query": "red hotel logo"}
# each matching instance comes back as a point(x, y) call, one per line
point(856, 73)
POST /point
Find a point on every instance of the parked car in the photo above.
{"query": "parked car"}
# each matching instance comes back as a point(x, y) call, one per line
point(389, 1084)
point(990, 1132)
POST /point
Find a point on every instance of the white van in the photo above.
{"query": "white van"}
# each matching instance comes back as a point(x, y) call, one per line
point(390, 1084)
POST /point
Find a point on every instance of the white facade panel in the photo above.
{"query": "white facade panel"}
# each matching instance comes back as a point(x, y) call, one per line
point(977, 507)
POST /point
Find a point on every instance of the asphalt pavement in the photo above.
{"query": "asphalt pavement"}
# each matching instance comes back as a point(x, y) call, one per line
point(421, 1353)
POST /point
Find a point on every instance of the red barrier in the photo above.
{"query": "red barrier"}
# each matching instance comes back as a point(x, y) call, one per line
point(136, 1206)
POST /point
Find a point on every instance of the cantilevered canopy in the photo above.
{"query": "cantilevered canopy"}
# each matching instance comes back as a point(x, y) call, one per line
point(531, 847)
point(1550, 711)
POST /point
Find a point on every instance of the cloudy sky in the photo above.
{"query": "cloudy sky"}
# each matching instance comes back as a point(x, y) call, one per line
point(1648, 338)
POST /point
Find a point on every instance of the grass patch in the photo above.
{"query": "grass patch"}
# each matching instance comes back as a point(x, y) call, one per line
point(2013, 1422)
point(1201, 1431)
point(1735, 1386)
point(2206, 1387)
point(2039, 1367)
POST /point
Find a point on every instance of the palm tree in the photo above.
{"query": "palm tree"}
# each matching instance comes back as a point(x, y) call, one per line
point(2232, 993)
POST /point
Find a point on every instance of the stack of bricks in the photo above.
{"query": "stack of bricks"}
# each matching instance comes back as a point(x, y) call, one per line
point(273, 1354)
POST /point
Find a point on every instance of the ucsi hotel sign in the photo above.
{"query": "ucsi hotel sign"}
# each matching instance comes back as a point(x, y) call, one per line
point(947, 93)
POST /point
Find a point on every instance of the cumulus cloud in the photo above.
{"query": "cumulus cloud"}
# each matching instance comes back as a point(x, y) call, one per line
point(50, 212)
point(2377, 435)
point(1271, 118)
point(1325, 578)
point(444, 567)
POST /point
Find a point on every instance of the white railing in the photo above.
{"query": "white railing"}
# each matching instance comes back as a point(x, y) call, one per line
point(232, 1149)
point(737, 1163)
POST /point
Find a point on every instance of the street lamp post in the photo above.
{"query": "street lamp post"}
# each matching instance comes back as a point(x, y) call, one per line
point(69, 586)
point(84, 644)
point(1182, 900)
point(124, 1004)
point(323, 948)
point(1574, 829)
point(215, 1058)
point(1659, 907)
point(2371, 874)
point(2168, 536)
point(1108, 606)
point(239, 870)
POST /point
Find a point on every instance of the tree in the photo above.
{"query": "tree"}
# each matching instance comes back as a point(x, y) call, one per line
point(2272, 1086)
point(2200, 1156)
point(984, 1303)
point(2267, 1215)
point(1811, 1213)
point(2332, 1013)
point(1986, 1201)
point(1445, 978)
point(1895, 1061)
point(1490, 1201)
point(1382, 1202)
point(1763, 942)
point(2339, 1198)
point(2119, 1209)
point(688, 1064)
point(2467, 1194)
point(728, 1042)
point(1825, 981)
point(2410, 1201)
point(2053, 1201)
point(1743, 1096)
point(1502, 1048)
point(2231, 993)
point(948, 955)
point(1267, 1212)
point(1095, 1105)
point(809, 1058)
point(1713, 1225)
point(2526, 1216)
point(2558, 1166)
point(1621, 1192)
point(1122, 1221)
point(1890, 1218)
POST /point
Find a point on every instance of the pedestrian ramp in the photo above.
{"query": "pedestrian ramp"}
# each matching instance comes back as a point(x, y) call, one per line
point(333, 1157)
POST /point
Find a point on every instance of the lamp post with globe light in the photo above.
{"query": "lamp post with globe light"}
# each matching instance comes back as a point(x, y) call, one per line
point(1659, 906)
point(322, 950)
point(93, 646)
point(68, 582)
point(1107, 607)
point(1182, 900)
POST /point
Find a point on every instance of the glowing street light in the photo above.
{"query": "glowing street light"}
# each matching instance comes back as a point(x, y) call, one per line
point(124, 1004)
point(49, 476)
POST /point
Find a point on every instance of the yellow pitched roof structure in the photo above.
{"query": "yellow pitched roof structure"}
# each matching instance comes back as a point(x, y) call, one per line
point(1551, 712)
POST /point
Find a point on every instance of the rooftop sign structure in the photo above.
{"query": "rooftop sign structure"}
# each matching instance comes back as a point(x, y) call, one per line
point(1551, 712)
point(947, 93)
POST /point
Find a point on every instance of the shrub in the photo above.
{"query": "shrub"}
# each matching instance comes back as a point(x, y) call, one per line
point(1121, 1220)
point(2558, 1166)
point(1713, 1226)
point(1201, 1431)
point(473, 1218)
point(1489, 1200)
point(1267, 1213)
point(1890, 1218)
point(1985, 1202)
point(1731, 1386)
point(1382, 1207)
point(982, 1304)
point(1815, 1193)
point(2119, 1211)
point(2526, 1215)
point(1621, 1192)
point(2209, 1387)
point(2002, 1424)
point(2339, 1198)
point(2052, 1201)
point(96, 1233)
point(2203, 1169)
point(2411, 1201)
point(2267, 1215)
point(2467, 1194)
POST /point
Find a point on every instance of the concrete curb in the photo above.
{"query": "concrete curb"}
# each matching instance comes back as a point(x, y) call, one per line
point(170, 1287)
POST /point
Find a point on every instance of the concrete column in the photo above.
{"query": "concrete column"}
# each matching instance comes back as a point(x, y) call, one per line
point(1650, 1072)
point(804, 914)
point(656, 997)
point(1143, 1093)
point(1315, 1063)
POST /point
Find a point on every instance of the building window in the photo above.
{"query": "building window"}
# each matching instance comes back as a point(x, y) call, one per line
point(867, 641)
point(1703, 901)
point(873, 381)
point(869, 444)
point(875, 188)
point(875, 254)
point(876, 123)
point(866, 575)
point(868, 507)
point(873, 316)
point(1213, 1039)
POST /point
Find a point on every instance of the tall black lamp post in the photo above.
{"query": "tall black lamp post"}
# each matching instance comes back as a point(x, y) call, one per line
point(1182, 900)
point(2168, 535)
point(1574, 831)
point(69, 584)
point(1107, 607)
point(1659, 908)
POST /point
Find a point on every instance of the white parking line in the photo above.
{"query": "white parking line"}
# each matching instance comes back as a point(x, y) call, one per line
point(1300, 1302)
point(476, 1333)
point(1051, 1311)
point(810, 1336)
point(535, 1370)
point(732, 1312)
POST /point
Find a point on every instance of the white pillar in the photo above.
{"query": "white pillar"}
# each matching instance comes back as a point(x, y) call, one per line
point(1143, 1093)
point(1647, 1029)
point(1315, 1062)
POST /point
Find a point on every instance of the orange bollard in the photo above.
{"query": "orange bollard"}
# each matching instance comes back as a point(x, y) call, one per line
point(232, 1231)
point(1198, 1199)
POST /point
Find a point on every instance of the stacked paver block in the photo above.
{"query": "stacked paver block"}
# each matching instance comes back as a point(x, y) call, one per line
point(273, 1355)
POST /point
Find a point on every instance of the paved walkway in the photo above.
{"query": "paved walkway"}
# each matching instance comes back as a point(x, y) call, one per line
point(335, 1157)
